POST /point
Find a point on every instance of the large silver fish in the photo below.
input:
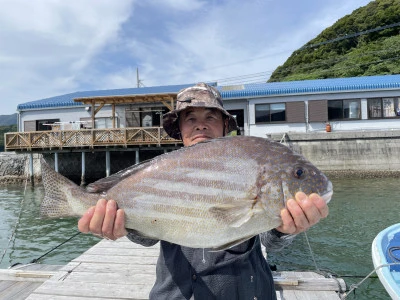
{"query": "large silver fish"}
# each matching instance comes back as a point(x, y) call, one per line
point(214, 194)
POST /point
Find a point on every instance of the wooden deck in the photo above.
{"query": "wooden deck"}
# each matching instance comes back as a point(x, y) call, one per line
point(86, 139)
point(124, 270)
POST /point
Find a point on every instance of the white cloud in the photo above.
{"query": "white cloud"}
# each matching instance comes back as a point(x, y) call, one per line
point(179, 5)
point(48, 43)
point(51, 47)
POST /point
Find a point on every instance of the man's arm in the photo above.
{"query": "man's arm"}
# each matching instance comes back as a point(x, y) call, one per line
point(137, 238)
point(275, 241)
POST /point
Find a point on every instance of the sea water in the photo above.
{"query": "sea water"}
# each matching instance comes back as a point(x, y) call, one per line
point(25, 237)
point(340, 244)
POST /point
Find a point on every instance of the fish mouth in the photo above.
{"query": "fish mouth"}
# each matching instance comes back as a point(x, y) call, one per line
point(327, 196)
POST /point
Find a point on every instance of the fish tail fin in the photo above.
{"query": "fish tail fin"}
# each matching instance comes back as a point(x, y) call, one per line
point(55, 203)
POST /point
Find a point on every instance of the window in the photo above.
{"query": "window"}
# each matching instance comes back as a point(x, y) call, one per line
point(105, 122)
point(266, 113)
point(383, 108)
point(344, 109)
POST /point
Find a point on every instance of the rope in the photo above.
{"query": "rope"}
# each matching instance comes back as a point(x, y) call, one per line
point(392, 255)
point(319, 271)
point(355, 286)
point(12, 237)
point(311, 252)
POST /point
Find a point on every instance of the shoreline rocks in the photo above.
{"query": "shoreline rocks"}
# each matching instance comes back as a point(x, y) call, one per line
point(14, 168)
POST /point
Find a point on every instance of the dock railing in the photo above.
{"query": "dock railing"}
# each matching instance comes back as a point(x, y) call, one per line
point(86, 138)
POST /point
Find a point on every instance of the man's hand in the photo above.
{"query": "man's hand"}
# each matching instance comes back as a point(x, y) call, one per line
point(302, 212)
point(104, 220)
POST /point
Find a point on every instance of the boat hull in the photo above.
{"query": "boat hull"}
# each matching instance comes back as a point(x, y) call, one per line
point(384, 252)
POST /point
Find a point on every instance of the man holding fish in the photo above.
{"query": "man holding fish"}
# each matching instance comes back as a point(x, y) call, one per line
point(236, 270)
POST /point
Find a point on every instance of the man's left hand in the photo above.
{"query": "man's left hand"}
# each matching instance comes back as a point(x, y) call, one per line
point(302, 212)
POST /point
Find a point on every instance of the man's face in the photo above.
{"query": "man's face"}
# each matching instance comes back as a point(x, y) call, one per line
point(199, 124)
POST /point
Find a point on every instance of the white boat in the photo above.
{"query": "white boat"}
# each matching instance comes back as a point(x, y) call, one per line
point(386, 259)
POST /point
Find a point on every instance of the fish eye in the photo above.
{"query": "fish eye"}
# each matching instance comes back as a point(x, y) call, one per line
point(299, 172)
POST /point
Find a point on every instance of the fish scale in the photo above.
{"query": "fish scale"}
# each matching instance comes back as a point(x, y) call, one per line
point(214, 194)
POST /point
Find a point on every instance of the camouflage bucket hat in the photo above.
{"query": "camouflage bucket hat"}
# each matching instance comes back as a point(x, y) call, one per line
point(200, 95)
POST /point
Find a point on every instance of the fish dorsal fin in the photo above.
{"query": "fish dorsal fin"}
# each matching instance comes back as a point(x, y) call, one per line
point(231, 244)
point(236, 213)
point(106, 183)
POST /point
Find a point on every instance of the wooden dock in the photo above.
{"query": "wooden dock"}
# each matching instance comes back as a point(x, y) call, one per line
point(125, 270)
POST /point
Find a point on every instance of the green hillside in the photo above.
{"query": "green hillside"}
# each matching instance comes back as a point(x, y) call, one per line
point(366, 42)
point(8, 119)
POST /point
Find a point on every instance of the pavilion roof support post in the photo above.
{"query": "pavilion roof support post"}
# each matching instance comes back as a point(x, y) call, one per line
point(95, 111)
point(169, 106)
point(98, 108)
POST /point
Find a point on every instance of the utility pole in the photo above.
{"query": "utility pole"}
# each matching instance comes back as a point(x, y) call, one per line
point(138, 81)
point(137, 77)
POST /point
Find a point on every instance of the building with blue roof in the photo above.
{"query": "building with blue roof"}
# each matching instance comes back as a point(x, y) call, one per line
point(357, 103)
point(362, 112)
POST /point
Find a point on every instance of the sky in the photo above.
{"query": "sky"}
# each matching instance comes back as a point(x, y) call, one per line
point(55, 47)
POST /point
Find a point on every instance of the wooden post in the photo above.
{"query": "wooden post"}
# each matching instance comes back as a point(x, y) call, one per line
point(93, 114)
point(107, 163)
point(83, 170)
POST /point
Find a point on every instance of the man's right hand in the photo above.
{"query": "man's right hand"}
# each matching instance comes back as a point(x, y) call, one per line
point(104, 220)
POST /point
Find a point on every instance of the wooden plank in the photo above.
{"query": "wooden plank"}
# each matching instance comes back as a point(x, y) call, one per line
point(110, 277)
point(109, 267)
point(116, 259)
point(310, 281)
point(5, 285)
point(58, 297)
point(25, 275)
point(38, 267)
point(18, 290)
point(303, 295)
point(107, 251)
point(107, 290)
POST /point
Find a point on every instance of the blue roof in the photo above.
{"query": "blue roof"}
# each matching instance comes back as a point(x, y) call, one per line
point(316, 86)
point(240, 91)
point(68, 99)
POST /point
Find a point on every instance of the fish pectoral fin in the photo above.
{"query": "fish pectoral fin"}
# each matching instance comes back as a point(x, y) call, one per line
point(231, 244)
point(234, 214)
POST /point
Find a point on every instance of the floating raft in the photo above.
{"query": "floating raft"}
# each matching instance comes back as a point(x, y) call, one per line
point(125, 270)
